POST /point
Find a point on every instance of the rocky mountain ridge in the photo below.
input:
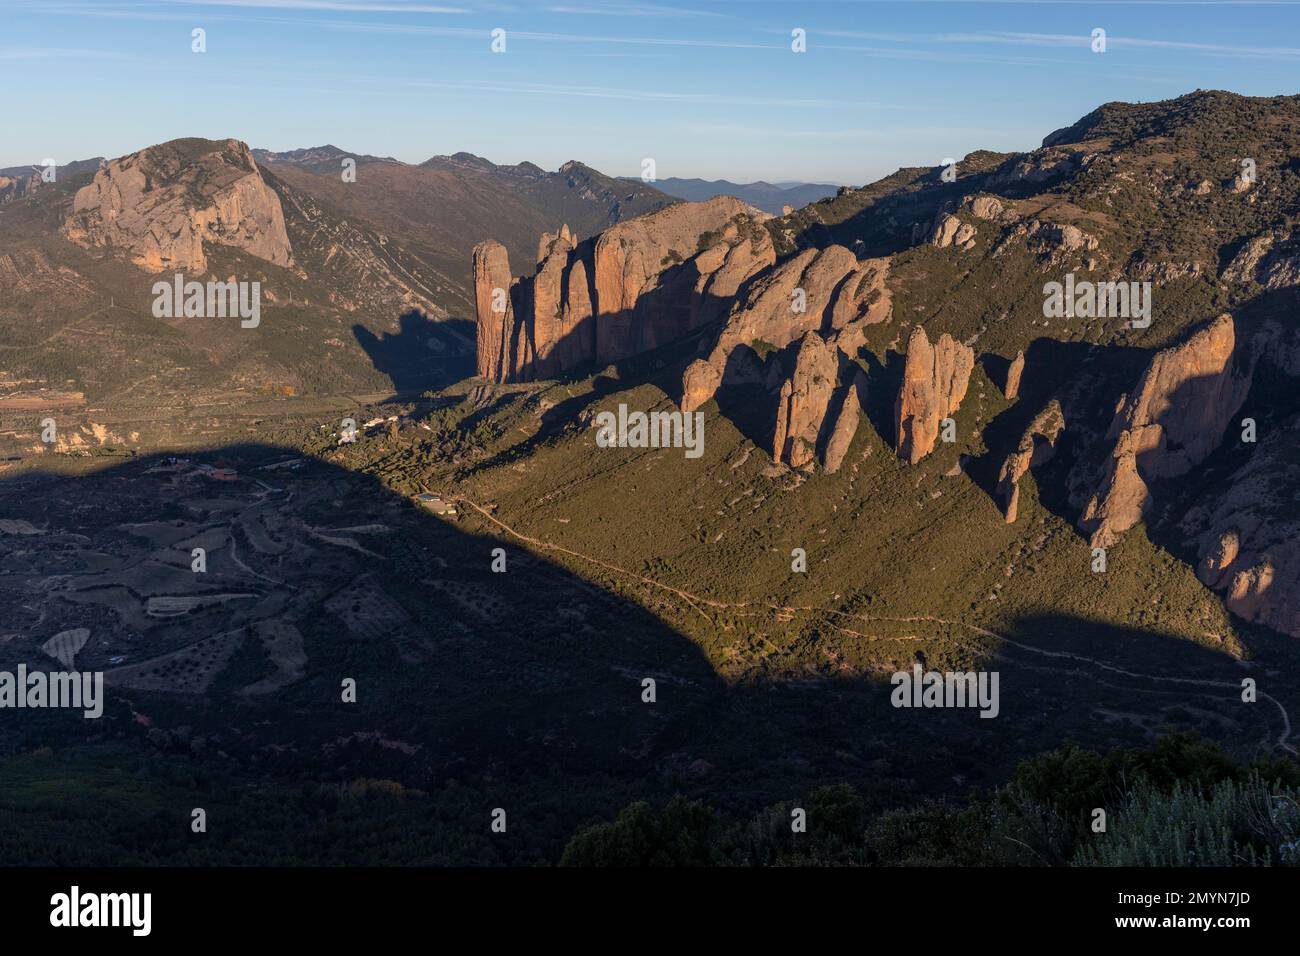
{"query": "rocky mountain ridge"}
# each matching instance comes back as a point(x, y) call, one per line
point(1120, 406)
point(638, 285)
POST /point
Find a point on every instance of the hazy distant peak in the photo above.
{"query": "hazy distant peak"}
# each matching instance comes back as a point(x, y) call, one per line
point(763, 195)
point(61, 171)
point(461, 160)
point(318, 159)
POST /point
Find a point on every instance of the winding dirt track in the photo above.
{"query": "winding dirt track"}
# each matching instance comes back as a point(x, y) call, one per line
point(698, 603)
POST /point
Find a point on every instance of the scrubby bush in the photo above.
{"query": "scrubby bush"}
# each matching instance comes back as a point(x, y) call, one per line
point(683, 833)
point(1233, 823)
point(1180, 803)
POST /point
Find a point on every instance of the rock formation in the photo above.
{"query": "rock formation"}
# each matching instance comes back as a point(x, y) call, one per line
point(846, 422)
point(700, 382)
point(1184, 401)
point(636, 260)
point(638, 285)
point(1053, 241)
point(823, 299)
point(162, 204)
point(1041, 166)
point(824, 290)
point(554, 327)
point(948, 230)
point(988, 208)
point(816, 416)
point(1249, 540)
point(13, 188)
point(805, 399)
point(492, 301)
point(1272, 259)
point(1063, 236)
point(1037, 446)
point(934, 383)
point(1014, 373)
point(1175, 417)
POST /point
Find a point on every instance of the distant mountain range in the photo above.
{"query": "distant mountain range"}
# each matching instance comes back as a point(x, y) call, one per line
point(17, 181)
point(70, 169)
point(769, 197)
point(448, 204)
point(319, 159)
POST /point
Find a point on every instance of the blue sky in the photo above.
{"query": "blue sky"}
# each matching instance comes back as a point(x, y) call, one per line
point(705, 89)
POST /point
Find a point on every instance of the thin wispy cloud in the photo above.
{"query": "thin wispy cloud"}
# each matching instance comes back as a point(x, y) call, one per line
point(339, 6)
point(1065, 40)
point(1056, 39)
point(364, 84)
point(628, 10)
point(626, 56)
point(59, 53)
point(1103, 3)
point(1080, 40)
point(614, 93)
point(546, 37)
point(946, 56)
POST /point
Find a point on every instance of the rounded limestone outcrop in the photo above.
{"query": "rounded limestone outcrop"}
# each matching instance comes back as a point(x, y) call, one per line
point(824, 290)
point(162, 204)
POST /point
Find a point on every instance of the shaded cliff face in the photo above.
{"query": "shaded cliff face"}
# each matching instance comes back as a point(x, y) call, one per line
point(655, 263)
point(1037, 446)
point(162, 204)
point(1247, 541)
point(1183, 403)
point(1175, 418)
point(846, 420)
point(636, 286)
point(804, 401)
point(1015, 372)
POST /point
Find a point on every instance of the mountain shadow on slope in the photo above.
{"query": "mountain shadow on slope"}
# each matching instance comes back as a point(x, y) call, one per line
point(422, 355)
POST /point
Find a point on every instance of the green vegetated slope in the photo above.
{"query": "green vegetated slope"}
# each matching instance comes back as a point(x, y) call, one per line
point(882, 539)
